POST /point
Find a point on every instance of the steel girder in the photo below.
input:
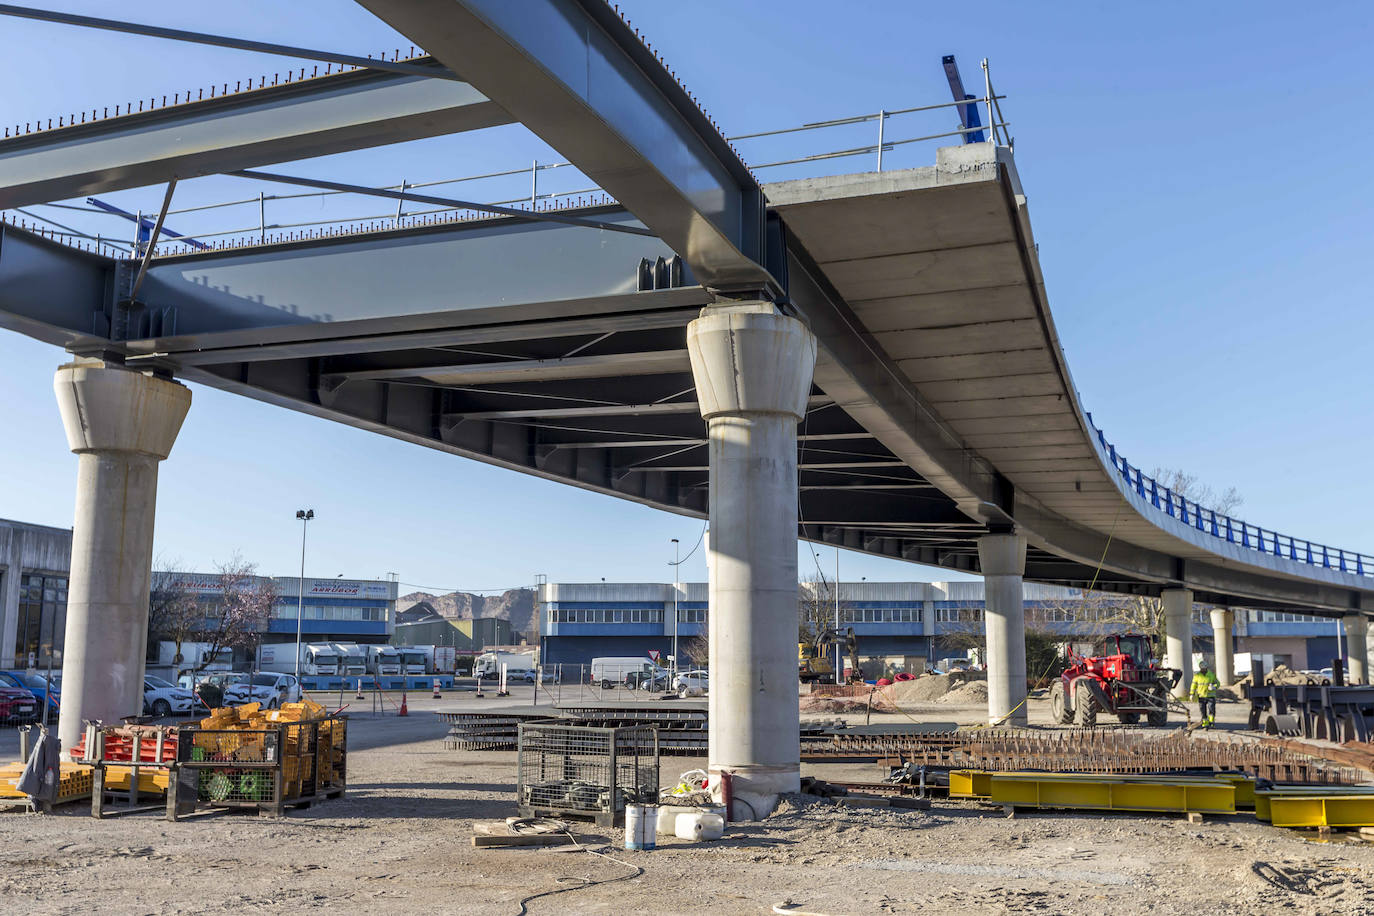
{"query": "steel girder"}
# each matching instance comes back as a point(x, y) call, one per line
point(574, 73)
point(297, 120)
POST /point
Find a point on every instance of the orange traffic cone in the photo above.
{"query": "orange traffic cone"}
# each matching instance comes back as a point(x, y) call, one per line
point(436, 689)
point(403, 711)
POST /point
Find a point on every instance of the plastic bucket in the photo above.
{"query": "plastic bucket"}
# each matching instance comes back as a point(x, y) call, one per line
point(641, 824)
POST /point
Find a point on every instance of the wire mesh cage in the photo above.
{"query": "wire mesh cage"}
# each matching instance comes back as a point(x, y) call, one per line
point(568, 770)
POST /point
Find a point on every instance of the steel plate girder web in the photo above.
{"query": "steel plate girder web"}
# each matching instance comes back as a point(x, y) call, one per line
point(575, 74)
point(299, 120)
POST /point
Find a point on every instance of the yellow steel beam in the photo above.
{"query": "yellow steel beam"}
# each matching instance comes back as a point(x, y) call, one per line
point(1322, 810)
point(1264, 799)
point(978, 783)
point(1110, 793)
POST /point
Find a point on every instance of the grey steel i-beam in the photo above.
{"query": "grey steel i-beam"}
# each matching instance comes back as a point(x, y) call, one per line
point(575, 74)
point(312, 117)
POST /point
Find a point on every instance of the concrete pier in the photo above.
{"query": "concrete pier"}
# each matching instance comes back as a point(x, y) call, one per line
point(752, 367)
point(1223, 622)
point(1178, 635)
point(120, 423)
point(1357, 648)
point(1002, 558)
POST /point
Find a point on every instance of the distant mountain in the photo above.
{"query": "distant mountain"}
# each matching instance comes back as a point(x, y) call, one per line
point(515, 605)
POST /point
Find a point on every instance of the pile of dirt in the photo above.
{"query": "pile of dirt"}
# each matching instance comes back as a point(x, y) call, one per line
point(974, 693)
point(927, 688)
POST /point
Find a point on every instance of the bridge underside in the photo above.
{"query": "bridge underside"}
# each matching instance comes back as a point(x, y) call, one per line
point(570, 371)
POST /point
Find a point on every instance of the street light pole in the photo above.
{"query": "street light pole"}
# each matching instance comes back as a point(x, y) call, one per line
point(839, 651)
point(305, 515)
point(677, 561)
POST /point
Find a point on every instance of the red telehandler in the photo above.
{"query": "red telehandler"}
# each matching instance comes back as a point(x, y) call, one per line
point(1120, 679)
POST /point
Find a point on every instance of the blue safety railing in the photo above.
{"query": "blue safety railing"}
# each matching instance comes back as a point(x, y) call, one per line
point(1232, 530)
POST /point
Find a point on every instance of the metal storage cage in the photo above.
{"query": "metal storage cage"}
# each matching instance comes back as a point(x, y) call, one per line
point(573, 771)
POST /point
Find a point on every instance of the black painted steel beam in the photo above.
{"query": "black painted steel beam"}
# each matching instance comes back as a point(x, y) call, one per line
point(297, 120)
point(575, 74)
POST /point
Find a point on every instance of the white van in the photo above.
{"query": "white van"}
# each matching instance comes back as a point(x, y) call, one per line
point(614, 671)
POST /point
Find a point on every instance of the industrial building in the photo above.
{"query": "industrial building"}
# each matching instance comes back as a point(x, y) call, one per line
point(899, 624)
point(467, 636)
point(35, 561)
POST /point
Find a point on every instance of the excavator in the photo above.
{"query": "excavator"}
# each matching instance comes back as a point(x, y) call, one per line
point(814, 659)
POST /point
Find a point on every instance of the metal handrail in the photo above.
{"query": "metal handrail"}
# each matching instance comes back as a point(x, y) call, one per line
point(267, 230)
point(1232, 530)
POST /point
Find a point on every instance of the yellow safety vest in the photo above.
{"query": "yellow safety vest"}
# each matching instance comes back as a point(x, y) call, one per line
point(1205, 685)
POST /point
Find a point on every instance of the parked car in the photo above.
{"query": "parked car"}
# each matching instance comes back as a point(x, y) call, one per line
point(547, 677)
point(691, 683)
point(163, 698)
point(17, 705)
point(269, 689)
point(37, 686)
point(653, 681)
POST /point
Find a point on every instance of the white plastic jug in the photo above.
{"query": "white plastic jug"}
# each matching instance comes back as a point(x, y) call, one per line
point(668, 815)
point(700, 827)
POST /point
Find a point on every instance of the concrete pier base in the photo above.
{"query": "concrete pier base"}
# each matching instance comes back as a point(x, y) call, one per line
point(1002, 558)
point(1223, 623)
point(1178, 635)
point(120, 424)
point(1357, 648)
point(752, 368)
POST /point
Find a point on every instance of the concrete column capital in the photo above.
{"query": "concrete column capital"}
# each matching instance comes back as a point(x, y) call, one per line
point(749, 359)
point(1002, 554)
point(107, 408)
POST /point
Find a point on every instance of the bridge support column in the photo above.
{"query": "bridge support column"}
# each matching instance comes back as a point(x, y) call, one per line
point(1178, 635)
point(120, 423)
point(1223, 622)
point(1002, 558)
point(752, 368)
point(1357, 648)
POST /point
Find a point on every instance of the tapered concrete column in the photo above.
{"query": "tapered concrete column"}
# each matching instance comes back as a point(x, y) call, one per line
point(1357, 648)
point(752, 368)
point(1223, 622)
point(121, 424)
point(1003, 561)
point(1178, 635)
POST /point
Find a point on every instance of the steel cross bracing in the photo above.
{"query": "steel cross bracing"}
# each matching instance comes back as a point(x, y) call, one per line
point(942, 403)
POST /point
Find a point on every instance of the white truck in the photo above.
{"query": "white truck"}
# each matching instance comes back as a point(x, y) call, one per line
point(488, 664)
point(616, 671)
point(444, 660)
point(317, 658)
point(416, 659)
point(195, 656)
point(383, 661)
point(352, 658)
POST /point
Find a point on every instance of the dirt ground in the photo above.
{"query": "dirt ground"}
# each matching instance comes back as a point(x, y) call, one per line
point(400, 843)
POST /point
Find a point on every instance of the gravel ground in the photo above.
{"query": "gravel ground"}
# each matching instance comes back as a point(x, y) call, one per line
point(400, 843)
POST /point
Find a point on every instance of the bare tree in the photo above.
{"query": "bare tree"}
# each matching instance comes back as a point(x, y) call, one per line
point(172, 608)
point(232, 616)
point(697, 648)
point(1189, 487)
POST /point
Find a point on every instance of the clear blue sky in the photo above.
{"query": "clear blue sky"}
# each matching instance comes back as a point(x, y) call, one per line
point(1196, 178)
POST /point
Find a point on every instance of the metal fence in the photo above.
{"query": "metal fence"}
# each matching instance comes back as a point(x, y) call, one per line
point(1232, 530)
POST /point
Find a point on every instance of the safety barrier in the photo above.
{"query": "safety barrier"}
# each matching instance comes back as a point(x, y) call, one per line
point(1231, 530)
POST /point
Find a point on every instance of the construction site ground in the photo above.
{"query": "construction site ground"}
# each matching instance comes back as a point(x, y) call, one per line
point(400, 842)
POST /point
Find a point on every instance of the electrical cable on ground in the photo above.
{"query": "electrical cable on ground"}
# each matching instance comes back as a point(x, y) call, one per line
point(582, 882)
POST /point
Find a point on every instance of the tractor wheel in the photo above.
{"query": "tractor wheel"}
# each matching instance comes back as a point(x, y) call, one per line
point(1159, 716)
point(1059, 706)
point(1084, 707)
point(1128, 718)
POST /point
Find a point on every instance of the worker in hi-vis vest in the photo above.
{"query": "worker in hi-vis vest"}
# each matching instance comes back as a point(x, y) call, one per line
point(1204, 690)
